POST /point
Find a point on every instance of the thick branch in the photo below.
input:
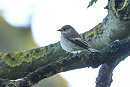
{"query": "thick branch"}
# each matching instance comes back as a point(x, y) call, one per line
point(19, 64)
point(120, 48)
point(118, 10)
point(104, 78)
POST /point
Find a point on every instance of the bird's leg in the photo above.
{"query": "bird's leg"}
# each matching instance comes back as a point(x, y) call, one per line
point(68, 55)
point(116, 41)
point(75, 54)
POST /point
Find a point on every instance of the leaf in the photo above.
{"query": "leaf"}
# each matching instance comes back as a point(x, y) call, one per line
point(91, 3)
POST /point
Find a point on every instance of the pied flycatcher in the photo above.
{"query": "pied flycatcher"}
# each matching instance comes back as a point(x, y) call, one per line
point(72, 42)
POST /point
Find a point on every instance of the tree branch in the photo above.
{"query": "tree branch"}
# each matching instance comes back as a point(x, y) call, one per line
point(104, 78)
point(120, 48)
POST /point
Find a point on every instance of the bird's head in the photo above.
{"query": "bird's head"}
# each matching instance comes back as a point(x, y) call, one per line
point(66, 29)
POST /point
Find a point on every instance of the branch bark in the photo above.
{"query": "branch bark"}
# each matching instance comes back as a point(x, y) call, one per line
point(107, 55)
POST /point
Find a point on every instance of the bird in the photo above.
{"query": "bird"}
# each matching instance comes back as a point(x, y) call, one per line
point(72, 42)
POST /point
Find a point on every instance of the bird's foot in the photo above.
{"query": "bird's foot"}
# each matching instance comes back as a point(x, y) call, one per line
point(76, 55)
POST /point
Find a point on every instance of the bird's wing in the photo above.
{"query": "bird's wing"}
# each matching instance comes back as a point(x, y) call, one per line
point(79, 41)
point(82, 43)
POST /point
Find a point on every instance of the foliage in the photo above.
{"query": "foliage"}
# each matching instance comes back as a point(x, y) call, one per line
point(91, 3)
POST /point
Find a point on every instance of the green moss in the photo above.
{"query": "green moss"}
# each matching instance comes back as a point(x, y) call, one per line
point(124, 4)
point(17, 58)
point(113, 6)
point(55, 50)
point(1, 55)
point(118, 5)
point(93, 32)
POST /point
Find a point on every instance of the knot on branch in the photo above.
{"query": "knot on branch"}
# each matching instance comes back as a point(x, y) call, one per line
point(120, 8)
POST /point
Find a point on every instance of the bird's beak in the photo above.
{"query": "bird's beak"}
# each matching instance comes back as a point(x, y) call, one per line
point(59, 30)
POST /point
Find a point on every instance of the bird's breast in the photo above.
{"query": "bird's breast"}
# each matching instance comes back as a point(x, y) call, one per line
point(68, 46)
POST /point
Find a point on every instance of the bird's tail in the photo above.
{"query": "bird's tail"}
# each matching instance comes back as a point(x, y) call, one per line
point(92, 50)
